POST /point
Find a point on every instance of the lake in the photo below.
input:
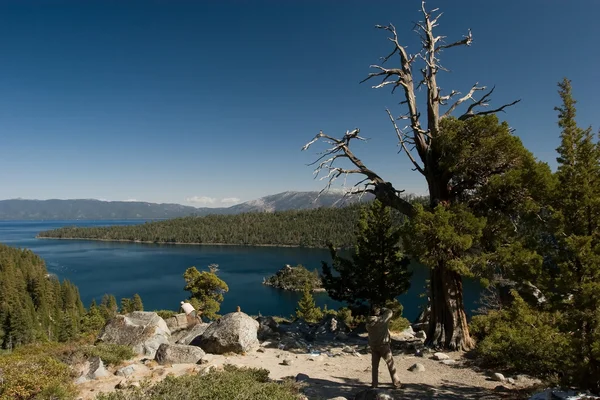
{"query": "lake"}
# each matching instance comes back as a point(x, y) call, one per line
point(156, 271)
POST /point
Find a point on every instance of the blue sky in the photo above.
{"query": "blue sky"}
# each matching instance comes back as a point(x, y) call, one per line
point(198, 101)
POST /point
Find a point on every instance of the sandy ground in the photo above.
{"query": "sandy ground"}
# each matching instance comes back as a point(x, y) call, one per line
point(342, 374)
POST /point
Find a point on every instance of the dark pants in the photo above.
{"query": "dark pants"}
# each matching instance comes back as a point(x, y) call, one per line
point(377, 353)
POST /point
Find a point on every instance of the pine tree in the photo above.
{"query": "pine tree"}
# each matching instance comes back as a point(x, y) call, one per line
point(307, 309)
point(377, 272)
point(206, 290)
point(126, 306)
point(137, 304)
point(108, 307)
point(577, 202)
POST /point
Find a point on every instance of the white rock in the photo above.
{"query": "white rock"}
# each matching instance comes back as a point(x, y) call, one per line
point(448, 362)
point(126, 371)
point(440, 356)
point(498, 377)
point(418, 367)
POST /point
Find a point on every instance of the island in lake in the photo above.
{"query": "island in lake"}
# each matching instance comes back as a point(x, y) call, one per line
point(295, 279)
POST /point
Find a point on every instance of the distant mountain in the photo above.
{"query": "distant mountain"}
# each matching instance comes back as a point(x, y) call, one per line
point(298, 201)
point(90, 209)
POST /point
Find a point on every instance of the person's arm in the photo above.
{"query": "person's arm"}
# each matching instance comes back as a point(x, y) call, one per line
point(386, 314)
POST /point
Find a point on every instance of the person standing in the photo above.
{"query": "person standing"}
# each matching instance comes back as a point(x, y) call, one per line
point(379, 341)
point(190, 313)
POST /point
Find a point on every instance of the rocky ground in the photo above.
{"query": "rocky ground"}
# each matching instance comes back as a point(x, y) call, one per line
point(332, 365)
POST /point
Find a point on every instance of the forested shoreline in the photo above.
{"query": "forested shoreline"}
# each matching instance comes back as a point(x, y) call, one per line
point(302, 228)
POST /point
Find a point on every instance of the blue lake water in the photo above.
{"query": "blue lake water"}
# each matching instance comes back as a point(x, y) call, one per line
point(156, 271)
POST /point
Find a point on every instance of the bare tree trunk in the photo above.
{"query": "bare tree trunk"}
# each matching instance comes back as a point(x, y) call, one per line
point(447, 322)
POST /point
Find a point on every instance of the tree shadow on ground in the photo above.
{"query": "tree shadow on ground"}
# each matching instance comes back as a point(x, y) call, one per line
point(347, 387)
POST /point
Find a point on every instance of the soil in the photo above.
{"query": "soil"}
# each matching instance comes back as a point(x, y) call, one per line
point(341, 373)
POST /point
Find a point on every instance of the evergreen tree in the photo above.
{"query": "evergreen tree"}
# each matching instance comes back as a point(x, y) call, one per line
point(93, 320)
point(206, 290)
point(126, 306)
point(307, 309)
point(378, 272)
point(137, 304)
point(108, 307)
point(577, 202)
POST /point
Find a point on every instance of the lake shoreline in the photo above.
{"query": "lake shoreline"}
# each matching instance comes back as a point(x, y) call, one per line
point(180, 243)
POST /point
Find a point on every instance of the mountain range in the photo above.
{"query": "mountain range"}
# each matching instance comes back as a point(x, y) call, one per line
point(91, 209)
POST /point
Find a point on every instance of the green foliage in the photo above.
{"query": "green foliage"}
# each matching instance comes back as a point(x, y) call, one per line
point(206, 290)
point(344, 314)
point(164, 314)
point(307, 310)
point(558, 248)
point(398, 323)
point(294, 278)
point(33, 304)
point(34, 376)
point(137, 304)
point(131, 305)
point(231, 383)
point(444, 236)
point(522, 339)
point(93, 320)
point(111, 354)
point(377, 271)
point(108, 307)
point(307, 228)
point(576, 228)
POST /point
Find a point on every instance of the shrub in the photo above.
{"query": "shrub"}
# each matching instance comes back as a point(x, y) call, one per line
point(111, 354)
point(520, 338)
point(27, 375)
point(164, 314)
point(231, 383)
point(307, 309)
point(398, 322)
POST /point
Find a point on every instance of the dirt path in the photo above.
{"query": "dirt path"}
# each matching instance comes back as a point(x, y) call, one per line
point(342, 374)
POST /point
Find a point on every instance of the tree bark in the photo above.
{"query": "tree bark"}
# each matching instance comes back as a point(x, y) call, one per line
point(448, 321)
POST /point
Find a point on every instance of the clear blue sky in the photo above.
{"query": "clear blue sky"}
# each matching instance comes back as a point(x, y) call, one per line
point(170, 101)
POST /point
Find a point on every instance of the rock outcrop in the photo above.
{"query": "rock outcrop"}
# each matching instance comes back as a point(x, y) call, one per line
point(93, 369)
point(177, 323)
point(330, 328)
point(192, 336)
point(143, 331)
point(178, 354)
point(268, 328)
point(235, 332)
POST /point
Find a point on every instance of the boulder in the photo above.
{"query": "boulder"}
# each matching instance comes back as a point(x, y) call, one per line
point(328, 329)
point(178, 354)
point(417, 368)
point(192, 336)
point(498, 377)
point(268, 328)
point(302, 378)
point(421, 335)
point(126, 371)
point(93, 369)
point(235, 332)
point(177, 323)
point(143, 331)
point(448, 362)
point(440, 356)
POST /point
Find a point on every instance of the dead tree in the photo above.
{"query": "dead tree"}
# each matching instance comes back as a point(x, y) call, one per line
point(448, 324)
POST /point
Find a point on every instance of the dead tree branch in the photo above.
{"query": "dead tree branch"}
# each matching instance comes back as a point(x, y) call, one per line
point(372, 182)
point(484, 102)
point(402, 141)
